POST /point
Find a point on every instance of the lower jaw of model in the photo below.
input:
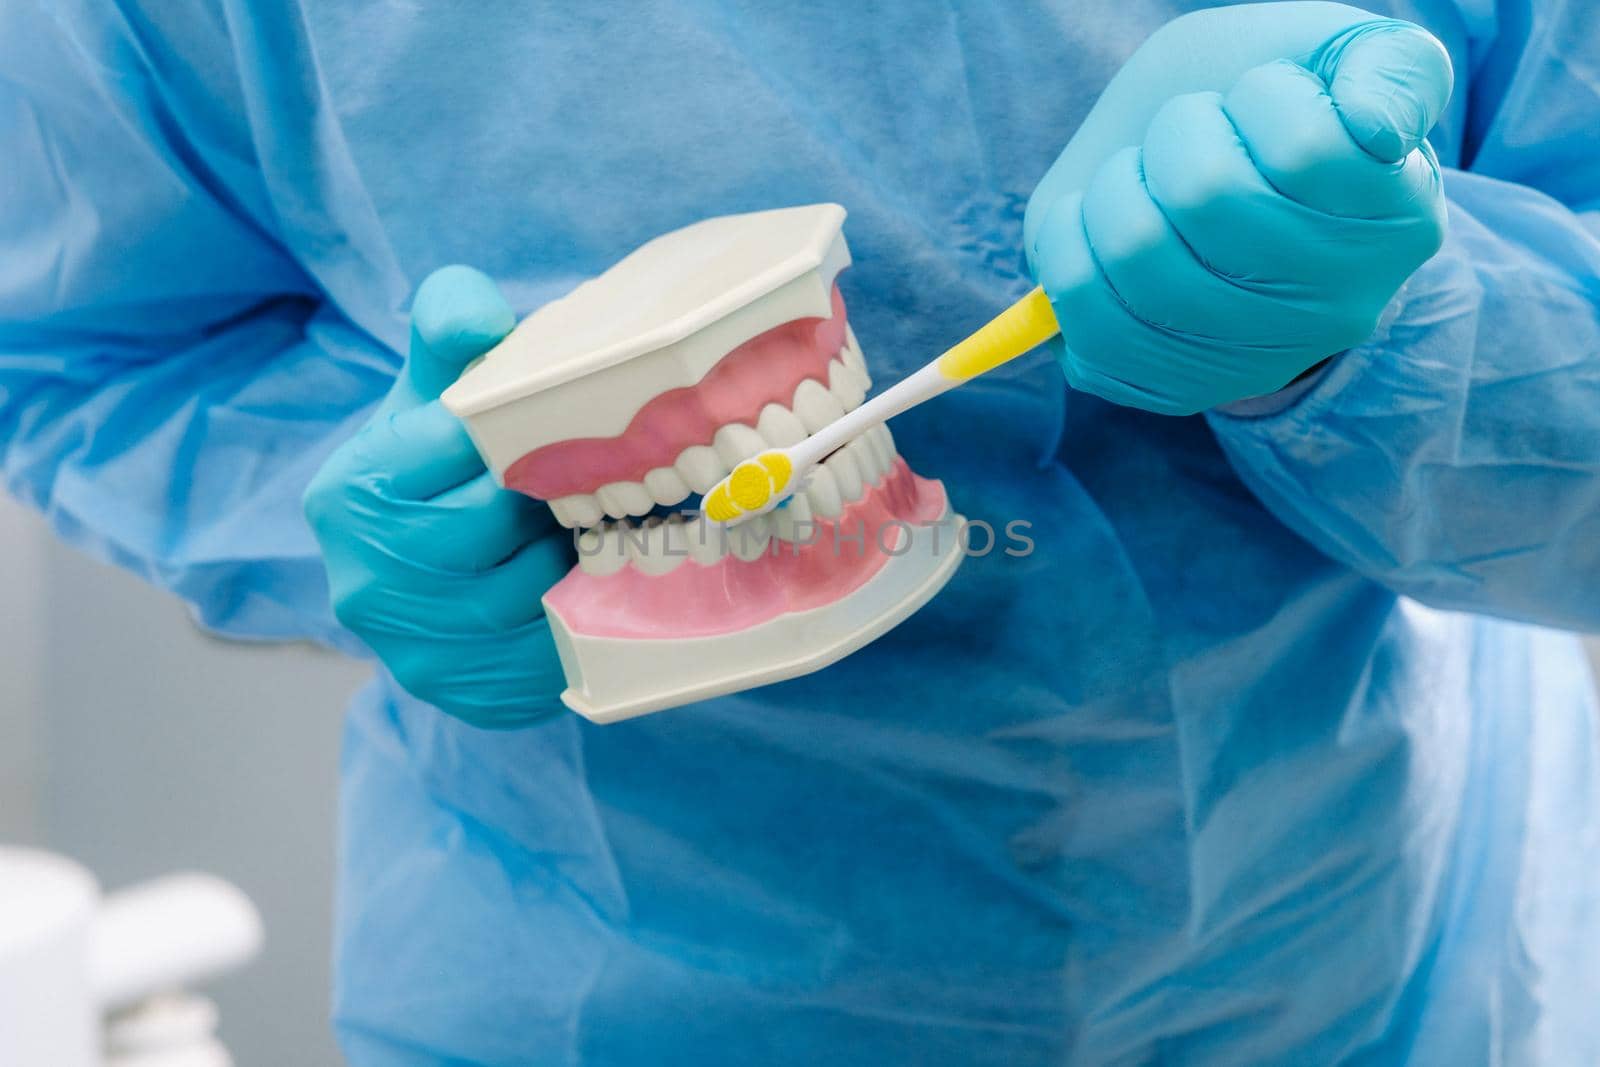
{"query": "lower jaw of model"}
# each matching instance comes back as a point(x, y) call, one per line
point(665, 608)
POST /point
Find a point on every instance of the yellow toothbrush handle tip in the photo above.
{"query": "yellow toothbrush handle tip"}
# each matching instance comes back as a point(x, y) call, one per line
point(1018, 329)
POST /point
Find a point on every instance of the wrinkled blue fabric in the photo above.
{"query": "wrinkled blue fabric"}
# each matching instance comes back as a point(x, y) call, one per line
point(1269, 753)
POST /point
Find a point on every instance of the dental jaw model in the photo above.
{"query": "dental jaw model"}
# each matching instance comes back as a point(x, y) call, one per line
point(645, 386)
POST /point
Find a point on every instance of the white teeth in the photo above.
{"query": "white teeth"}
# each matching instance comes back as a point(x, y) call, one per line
point(882, 447)
point(749, 540)
point(843, 384)
point(620, 499)
point(842, 464)
point(822, 493)
point(866, 460)
point(779, 428)
point(666, 486)
point(852, 357)
point(815, 406)
point(883, 441)
point(700, 467)
point(630, 539)
point(600, 550)
point(658, 546)
point(580, 509)
point(677, 539)
point(861, 378)
point(641, 553)
point(736, 443)
point(793, 521)
point(610, 499)
point(704, 541)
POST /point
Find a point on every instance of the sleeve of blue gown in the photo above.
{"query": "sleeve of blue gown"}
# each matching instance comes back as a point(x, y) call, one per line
point(169, 377)
point(1455, 457)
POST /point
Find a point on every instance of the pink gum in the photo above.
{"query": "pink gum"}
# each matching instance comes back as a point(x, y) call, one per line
point(764, 370)
point(695, 600)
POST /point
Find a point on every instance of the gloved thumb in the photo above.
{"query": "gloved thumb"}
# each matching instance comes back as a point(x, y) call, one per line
point(1390, 81)
point(457, 316)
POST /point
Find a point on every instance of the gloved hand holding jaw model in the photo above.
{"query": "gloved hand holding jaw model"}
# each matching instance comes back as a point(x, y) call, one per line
point(645, 384)
point(1253, 232)
point(437, 568)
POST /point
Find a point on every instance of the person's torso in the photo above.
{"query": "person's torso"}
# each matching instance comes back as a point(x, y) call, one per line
point(1115, 796)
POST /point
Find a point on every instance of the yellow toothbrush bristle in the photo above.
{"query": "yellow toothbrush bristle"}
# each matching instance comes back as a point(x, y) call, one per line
point(778, 468)
point(749, 485)
point(718, 507)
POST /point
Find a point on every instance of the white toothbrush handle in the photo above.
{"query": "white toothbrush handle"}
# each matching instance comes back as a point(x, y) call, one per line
point(1018, 329)
point(758, 484)
point(923, 384)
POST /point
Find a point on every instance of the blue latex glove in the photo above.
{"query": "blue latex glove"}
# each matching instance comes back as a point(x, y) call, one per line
point(1253, 232)
point(438, 569)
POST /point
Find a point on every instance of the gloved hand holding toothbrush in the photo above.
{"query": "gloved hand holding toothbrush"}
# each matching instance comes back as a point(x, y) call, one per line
point(1242, 238)
point(1200, 248)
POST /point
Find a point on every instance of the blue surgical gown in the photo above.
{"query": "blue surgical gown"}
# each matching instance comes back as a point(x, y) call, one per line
point(1278, 749)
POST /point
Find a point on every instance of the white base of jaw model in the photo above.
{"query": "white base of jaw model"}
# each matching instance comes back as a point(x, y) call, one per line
point(617, 678)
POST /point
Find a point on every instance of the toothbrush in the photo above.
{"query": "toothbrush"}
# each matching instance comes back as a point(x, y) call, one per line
point(762, 482)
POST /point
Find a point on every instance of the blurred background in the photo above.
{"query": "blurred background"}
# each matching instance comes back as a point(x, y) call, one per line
point(138, 746)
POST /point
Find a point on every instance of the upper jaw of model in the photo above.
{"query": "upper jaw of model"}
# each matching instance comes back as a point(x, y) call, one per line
point(644, 387)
